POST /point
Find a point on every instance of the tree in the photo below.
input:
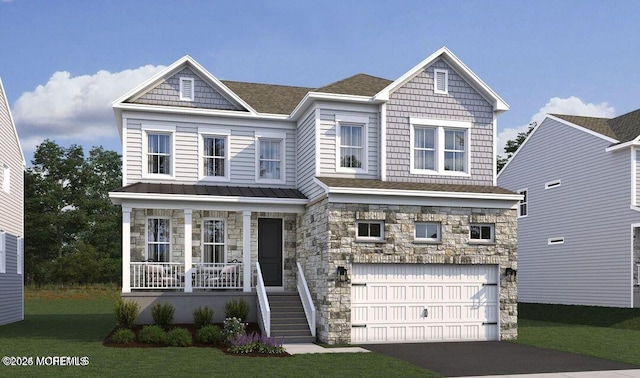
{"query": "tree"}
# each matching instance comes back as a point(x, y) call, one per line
point(513, 145)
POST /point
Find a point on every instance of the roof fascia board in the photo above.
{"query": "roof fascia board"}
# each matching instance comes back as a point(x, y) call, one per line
point(583, 129)
point(196, 111)
point(499, 105)
point(422, 201)
point(424, 193)
point(13, 124)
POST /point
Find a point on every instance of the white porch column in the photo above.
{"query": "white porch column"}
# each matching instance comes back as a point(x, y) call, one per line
point(126, 249)
point(246, 250)
point(188, 252)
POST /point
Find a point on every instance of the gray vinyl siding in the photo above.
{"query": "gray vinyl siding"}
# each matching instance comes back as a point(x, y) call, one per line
point(242, 145)
point(416, 98)
point(590, 209)
point(12, 203)
point(11, 285)
point(167, 93)
point(306, 156)
point(327, 143)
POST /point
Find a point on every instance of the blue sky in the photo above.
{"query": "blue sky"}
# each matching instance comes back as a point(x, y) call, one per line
point(63, 62)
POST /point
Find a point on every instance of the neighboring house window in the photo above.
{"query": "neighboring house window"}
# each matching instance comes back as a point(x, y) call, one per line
point(215, 156)
point(271, 158)
point(439, 147)
point(552, 184)
point(159, 153)
point(427, 231)
point(370, 230)
point(213, 241)
point(6, 178)
point(523, 204)
point(186, 89)
point(158, 239)
point(441, 81)
point(3, 252)
point(481, 233)
point(552, 241)
point(351, 143)
point(20, 257)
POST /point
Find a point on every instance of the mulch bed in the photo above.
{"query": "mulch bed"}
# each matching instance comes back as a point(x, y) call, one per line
point(250, 328)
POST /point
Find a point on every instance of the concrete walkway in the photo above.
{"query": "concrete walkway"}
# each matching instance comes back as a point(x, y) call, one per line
point(579, 374)
point(314, 348)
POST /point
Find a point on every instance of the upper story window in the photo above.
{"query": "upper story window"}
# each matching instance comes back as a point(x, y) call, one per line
point(481, 233)
point(523, 208)
point(186, 89)
point(351, 143)
point(213, 241)
point(6, 178)
point(159, 151)
point(159, 239)
point(440, 81)
point(439, 147)
point(271, 158)
point(427, 232)
point(370, 230)
point(215, 156)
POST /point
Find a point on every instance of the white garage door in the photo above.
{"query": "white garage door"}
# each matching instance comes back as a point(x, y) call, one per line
point(423, 303)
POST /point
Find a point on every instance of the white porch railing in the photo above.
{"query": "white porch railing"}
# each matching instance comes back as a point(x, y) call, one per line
point(157, 275)
point(307, 302)
point(263, 303)
point(217, 276)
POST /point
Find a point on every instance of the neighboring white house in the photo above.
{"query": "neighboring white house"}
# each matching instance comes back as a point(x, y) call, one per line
point(578, 226)
point(12, 166)
point(379, 196)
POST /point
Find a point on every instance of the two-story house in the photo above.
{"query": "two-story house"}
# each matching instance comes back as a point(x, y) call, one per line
point(578, 223)
point(375, 199)
point(11, 217)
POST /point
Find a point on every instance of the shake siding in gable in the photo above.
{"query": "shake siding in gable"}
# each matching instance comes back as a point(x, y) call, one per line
point(590, 209)
point(417, 99)
point(11, 284)
point(306, 156)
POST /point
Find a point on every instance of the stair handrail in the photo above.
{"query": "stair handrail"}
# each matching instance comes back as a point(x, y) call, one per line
point(307, 301)
point(263, 303)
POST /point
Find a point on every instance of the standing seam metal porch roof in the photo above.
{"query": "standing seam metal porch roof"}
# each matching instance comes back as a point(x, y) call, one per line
point(211, 190)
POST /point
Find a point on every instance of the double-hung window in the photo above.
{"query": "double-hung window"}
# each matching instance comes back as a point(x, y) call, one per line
point(270, 158)
point(523, 204)
point(213, 241)
point(439, 147)
point(214, 156)
point(159, 239)
point(481, 233)
point(351, 143)
point(158, 150)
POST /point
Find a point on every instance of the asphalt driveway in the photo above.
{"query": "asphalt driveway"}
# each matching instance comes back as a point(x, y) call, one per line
point(492, 358)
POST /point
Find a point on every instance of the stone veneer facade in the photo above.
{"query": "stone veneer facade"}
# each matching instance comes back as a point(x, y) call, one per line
point(233, 236)
point(326, 240)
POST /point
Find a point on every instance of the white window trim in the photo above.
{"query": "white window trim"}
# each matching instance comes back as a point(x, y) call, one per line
point(3, 252)
point(283, 154)
point(187, 96)
point(205, 132)
point(20, 256)
point(554, 241)
point(483, 241)
point(440, 126)
point(552, 184)
point(436, 71)
point(146, 238)
point(370, 238)
point(6, 178)
point(427, 240)
point(353, 120)
point(226, 239)
point(525, 203)
point(158, 129)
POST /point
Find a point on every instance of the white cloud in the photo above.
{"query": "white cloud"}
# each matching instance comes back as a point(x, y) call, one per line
point(75, 109)
point(569, 106)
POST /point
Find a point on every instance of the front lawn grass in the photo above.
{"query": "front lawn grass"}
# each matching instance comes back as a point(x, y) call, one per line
point(74, 325)
point(609, 333)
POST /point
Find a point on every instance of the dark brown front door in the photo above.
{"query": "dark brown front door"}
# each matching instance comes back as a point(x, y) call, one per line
point(270, 250)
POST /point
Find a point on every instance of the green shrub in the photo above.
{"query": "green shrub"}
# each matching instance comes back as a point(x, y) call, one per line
point(153, 334)
point(180, 337)
point(126, 313)
point(236, 309)
point(123, 336)
point(162, 314)
point(209, 334)
point(233, 327)
point(202, 317)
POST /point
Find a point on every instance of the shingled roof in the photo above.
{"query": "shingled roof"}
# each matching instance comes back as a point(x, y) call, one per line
point(357, 85)
point(623, 128)
point(393, 185)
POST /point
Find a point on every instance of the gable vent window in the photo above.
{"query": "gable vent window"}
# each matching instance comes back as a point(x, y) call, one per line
point(186, 89)
point(552, 241)
point(441, 78)
point(552, 184)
